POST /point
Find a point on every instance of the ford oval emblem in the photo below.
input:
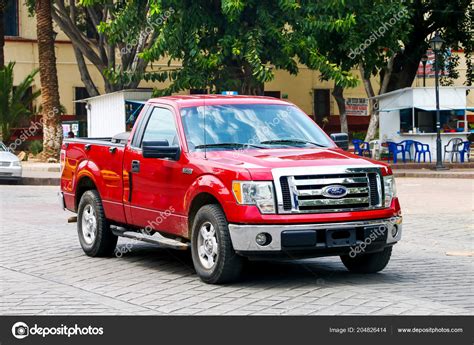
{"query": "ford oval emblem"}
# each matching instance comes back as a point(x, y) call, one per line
point(334, 191)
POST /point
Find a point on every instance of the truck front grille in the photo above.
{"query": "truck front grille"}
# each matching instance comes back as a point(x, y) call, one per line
point(4, 164)
point(309, 193)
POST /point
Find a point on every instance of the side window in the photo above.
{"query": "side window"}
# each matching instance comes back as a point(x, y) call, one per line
point(161, 126)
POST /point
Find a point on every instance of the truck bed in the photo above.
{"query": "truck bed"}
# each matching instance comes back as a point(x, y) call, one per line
point(119, 139)
point(104, 160)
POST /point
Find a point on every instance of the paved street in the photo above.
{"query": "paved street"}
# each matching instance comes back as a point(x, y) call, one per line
point(44, 271)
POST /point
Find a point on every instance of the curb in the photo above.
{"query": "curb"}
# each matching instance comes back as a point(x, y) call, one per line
point(41, 169)
point(55, 169)
point(38, 181)
point(433, 175)
point(421, 166)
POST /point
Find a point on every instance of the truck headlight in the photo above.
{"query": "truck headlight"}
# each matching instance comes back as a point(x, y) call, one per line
point(255, 193)
point(16, 164)
point(390, 189)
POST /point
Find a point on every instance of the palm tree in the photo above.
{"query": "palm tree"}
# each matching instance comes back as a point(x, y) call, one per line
point(3, 4)
point(14, 101)
point(52, 130)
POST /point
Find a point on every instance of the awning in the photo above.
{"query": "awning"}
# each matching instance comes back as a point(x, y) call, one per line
point(393, 109)
point(135, 102)
point(433, 108)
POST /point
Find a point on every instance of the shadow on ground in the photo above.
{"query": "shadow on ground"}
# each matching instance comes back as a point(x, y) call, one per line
point(319, 271)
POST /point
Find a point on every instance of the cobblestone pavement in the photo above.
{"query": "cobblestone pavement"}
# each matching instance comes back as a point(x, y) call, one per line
point(44, 271)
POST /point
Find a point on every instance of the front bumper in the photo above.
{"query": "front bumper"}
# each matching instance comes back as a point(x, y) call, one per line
point(10, 173)
point(317, 239)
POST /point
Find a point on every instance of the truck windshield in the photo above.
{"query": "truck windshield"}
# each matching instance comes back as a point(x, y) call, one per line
point(2, 147)
point(250, 125)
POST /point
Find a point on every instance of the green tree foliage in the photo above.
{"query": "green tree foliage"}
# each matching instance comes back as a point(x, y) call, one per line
point(378, 30)
point(227, 44)
point(14, 100)
point(81, 24)
point(454, 19)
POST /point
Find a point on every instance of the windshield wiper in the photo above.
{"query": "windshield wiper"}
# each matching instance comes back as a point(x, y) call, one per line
point(290, 141)
point(233, 145)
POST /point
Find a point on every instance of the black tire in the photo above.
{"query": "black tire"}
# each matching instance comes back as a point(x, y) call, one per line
point(228, 265)
point(367, 263)
point(104, 242)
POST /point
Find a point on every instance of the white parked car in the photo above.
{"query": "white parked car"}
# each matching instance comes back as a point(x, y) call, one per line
point(10, 166)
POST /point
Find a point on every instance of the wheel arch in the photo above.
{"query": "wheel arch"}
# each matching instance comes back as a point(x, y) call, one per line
point(200, 200)
point(84, 184)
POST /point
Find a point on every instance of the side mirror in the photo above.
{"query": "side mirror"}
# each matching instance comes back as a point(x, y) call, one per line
point(341, 140)
point(160, 149)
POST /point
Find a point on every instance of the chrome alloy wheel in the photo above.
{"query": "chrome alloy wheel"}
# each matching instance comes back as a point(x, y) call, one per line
point(89, 225)
point(207, 245)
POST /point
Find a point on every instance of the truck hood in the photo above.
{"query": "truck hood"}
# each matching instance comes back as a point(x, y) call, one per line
point(259, 161)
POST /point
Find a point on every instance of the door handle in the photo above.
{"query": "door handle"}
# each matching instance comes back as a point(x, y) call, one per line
point(135, 166)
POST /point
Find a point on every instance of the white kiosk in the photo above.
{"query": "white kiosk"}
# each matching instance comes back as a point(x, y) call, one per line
point(410, 114)
point(107, 113)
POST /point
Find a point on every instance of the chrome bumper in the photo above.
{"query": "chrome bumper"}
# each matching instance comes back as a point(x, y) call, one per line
point(243, 236)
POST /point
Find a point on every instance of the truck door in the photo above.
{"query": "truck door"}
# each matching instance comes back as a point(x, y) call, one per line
point(156, 187)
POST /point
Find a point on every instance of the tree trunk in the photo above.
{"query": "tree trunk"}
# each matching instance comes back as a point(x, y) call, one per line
point(3, 3)
point(405, 63)
point(374, 111)
point(338, 94)
point(250, 86)
point(85, 75)
point(52, 130)
point(101, 52)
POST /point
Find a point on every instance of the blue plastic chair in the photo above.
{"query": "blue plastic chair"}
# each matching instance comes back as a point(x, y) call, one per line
point(465, 150)
point(420, 149)
point(360, 147)
point(407, 145)
point(395, 149)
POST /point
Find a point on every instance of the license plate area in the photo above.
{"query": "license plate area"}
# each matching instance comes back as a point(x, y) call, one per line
point(298, 238)
point(340, 237)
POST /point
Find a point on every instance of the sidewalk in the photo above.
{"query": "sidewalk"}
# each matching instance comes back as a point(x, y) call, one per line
point(452, 173)
point(411, 169)
point(40, 167)
point(420, 166)
point(42, 174)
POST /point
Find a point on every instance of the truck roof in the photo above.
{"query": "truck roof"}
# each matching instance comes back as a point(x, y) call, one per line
point(199, 100)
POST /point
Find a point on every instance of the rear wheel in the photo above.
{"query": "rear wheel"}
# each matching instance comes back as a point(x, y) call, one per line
point(94, 232)
point(213, 256)
point(367, 263)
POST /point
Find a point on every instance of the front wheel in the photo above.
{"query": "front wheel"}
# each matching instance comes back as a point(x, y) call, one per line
point(367, 263)
point(213, 256)
point(94, 232)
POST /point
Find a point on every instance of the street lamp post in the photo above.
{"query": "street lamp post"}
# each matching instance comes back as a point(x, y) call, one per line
point(424, 59)
point(436, 44)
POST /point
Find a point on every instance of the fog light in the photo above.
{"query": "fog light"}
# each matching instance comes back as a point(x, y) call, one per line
point(394, 231)
point(263, 239)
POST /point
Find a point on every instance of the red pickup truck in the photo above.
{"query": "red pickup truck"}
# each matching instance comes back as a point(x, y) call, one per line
point(233, 178)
